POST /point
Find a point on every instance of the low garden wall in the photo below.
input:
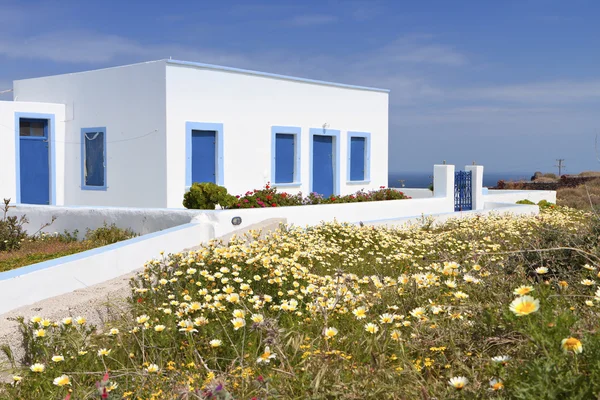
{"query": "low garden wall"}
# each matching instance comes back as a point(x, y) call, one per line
point(71, 218)
point(147, 220)
point(512, 196)
point(314, 214)
point(416, 193)
point(40, 281)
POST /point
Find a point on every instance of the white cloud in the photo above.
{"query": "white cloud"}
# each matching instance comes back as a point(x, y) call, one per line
point(392, 66)
point(312, 19)
point(5, 87)
point(537, 93)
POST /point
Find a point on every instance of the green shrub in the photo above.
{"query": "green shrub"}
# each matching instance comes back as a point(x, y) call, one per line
point(206, 195)
point(545, 204)
point(11, 229)
point(108, 234)
point(525, 201)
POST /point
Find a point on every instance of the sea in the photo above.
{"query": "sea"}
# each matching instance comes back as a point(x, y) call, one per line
point(424, 179)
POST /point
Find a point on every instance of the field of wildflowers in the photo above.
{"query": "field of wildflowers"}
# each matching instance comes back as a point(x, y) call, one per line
point(493, 307)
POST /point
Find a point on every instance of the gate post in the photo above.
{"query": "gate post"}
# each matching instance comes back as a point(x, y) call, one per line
point(443, 184)
point(476, 185)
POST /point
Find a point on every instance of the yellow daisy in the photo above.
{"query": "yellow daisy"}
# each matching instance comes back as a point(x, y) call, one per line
point(572, 344)
point(524, 305)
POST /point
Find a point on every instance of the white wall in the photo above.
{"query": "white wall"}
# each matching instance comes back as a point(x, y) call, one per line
point(146, 220)
point(248, 106)
point(512, 196)
point(51, 278)
point(366, 212)
point(416, 193)
point(8, 161)
point(140, 220)
point(130, 102)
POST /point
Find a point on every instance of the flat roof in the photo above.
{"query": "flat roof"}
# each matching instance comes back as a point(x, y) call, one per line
point(228, 69)
point(270, 75)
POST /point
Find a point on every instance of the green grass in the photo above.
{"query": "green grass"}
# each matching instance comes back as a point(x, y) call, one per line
point(345, 312)
point(43, 248)
point(29, 259)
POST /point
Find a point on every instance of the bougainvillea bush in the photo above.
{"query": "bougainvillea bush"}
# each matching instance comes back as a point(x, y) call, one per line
point(493, 307)
point(207, 196)
point(269, 196)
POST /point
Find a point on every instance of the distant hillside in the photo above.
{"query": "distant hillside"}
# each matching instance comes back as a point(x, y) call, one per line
point(581, 191)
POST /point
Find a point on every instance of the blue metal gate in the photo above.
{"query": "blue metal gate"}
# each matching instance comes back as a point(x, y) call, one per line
point(463, 200)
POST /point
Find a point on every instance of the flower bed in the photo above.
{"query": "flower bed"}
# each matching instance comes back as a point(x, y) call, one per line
point(18, 249)
point(207, 195)
point(466, 310)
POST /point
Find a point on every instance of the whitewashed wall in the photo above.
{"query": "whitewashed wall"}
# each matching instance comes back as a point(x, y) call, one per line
point(81, 218)
point(512, 196)
point(416, 193)
point(8, 161)
point(130, 102)
point(40, 281)
point(249, 105)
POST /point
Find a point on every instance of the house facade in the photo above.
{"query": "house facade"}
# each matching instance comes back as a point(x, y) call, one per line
point(139, 135)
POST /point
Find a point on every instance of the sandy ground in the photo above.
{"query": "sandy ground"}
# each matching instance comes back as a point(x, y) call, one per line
point(96, 303)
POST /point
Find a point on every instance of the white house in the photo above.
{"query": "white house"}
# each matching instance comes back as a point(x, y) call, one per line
point(139, 135)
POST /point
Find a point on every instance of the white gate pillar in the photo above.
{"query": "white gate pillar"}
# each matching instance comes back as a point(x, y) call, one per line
point(443, 184)
point(476, 185)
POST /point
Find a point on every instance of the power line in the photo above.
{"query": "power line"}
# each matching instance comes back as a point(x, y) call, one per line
point(108, 141)
point(560, 165)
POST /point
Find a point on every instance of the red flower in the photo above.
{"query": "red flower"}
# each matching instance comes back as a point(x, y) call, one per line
point(274, 205)
point(139, 300)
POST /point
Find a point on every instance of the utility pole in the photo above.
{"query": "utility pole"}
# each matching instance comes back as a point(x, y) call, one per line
point(560, 165)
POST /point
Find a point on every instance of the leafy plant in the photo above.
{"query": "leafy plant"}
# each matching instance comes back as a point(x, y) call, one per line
point(11, 229)
point(206, 195)
point(525, 201)
point(268, 196)
point(545, 204)
point(108, 234)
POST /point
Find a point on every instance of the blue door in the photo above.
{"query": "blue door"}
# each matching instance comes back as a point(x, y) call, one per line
point(322, 168)
point(33, 164)
point(204, 156)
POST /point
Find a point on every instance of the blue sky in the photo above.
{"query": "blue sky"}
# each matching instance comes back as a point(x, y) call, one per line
point(512, 85)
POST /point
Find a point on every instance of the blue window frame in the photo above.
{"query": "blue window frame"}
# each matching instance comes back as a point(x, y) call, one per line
point(359, 157)
point(285, 156)
point(93, 158)
point(193, 131)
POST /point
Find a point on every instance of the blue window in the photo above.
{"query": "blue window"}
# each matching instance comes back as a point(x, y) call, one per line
point(285, 164)
point(359, 156)
point(93, 158)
